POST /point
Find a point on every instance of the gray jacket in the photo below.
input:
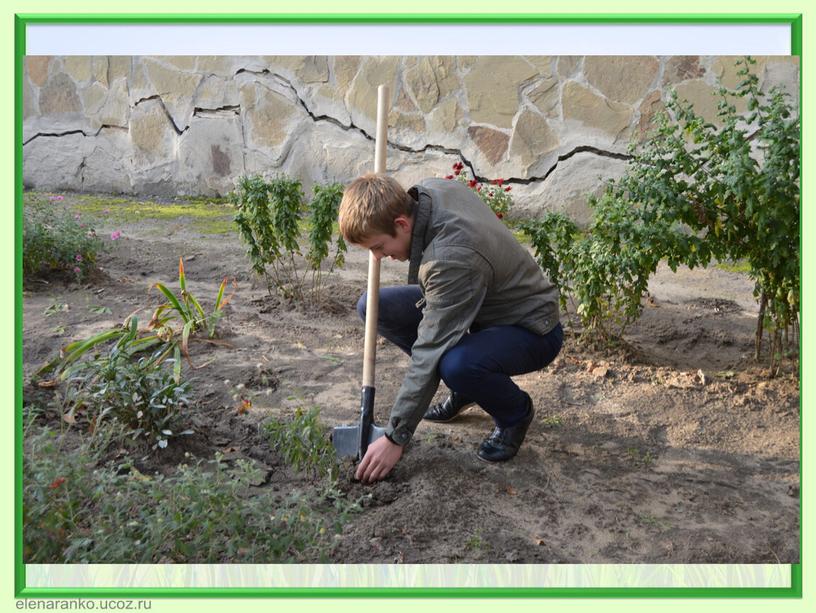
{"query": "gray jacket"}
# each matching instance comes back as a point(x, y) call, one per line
point(471, 270)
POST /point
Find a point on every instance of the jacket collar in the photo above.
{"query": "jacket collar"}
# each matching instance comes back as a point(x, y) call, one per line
point(419, 232)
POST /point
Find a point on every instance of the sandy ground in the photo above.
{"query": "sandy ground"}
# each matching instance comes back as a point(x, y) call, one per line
point(679, 449)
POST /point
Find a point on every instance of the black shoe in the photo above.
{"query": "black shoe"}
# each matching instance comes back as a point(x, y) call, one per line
point(449, 409)
point(504, 443)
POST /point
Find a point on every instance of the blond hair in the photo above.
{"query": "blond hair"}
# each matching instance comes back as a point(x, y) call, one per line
point(370, 205)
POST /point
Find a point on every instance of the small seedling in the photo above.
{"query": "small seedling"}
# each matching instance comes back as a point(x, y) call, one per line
point(640, 458)
point(54, 308)
point(476, 542)
point(552, 421)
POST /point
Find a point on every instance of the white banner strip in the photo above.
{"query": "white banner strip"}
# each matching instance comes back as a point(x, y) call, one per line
point(407, 575)
point(419, 39)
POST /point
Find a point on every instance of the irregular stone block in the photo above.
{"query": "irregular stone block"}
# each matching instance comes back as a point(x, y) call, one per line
point(216, 65)
point(783, 73)
point(99, 68)
point(409, 126)
point(185, 63)
point(650, 106)
point(568, 65)
point(37, 68)
point(725, 70)
point(217, 92)
point(542, 63)
point(176, 89)
point(50, 162)
point(491, 143)
point(622, 78)
point(580, 104)
point(532, 139)
point(116, 111)
point(105, 168)
point(362, 96)
point(568, 188)
point(493, 86)
point(345, 68)
point(682, 68)
point(93, 97)
point(78, 68)
point(211, 155)
point(267, 116)
point(59, 96)
point(704, 99)
point(421, 81)
point(30, 106)
point(546, 97)
point(305, 69)
point(119, 67)
point(152, 134)
point(445, 118)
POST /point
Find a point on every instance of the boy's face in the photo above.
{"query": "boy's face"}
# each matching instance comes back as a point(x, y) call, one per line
point(396, 247)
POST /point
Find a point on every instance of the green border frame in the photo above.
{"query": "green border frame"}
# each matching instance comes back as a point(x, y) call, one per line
point(20, 23)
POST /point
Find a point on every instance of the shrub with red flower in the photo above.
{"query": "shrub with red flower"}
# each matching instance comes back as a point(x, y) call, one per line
point(492, 193)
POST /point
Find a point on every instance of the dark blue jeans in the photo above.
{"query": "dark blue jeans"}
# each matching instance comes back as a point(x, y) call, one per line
point(479, 367)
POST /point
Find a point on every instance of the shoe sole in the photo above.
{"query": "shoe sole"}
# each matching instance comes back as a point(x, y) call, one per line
point(450, 419)
point(486, 461)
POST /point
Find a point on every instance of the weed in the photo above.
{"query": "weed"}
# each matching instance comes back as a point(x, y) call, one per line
point(304, 444)
point(54, 308)
point(55, 240)
point(78, 508)
point(640, 458)
point(552, 421)
point(475, 542)
point(651, 520)
point(189, 309)
point(139, 392)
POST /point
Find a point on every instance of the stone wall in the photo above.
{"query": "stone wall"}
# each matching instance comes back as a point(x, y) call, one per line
point(555, 127)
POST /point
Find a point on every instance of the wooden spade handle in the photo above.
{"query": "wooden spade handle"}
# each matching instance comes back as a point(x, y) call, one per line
point(373, 300)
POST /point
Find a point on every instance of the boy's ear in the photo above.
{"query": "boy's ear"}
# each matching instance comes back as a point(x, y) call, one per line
point(403, 223)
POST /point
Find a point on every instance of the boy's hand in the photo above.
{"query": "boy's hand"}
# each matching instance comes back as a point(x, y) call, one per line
point(378, 461)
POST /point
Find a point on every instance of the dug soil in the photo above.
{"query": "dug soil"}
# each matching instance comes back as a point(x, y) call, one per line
point(675, 448)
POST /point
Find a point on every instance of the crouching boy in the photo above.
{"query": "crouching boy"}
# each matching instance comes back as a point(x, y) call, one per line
point(477, 310)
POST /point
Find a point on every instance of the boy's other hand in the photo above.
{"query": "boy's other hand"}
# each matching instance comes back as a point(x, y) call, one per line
point(378, 461)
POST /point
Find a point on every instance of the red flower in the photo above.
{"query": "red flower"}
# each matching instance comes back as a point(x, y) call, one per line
point(457, 168)
point(56, 483)
point(497, 182)
point(507, 189)
point(449, 177)
point(473, 183)
point(500, 215)
point(478, 189)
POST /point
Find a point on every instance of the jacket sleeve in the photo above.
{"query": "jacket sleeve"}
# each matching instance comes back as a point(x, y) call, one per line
point(454, 293)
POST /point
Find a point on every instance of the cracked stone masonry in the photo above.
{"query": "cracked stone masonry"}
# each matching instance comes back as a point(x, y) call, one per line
point(556, 128)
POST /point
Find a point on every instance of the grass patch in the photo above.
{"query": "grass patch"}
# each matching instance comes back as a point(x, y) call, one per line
point(206, 215)
point(82, 506)
point(741, 266)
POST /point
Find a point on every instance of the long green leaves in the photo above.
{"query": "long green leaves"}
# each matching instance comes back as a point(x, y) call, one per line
point(269, 219)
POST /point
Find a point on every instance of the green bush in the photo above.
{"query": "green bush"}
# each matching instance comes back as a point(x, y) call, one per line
point(693, 192)
point(77, 508)
point(142, 392)
point(269, 219)
point(55, 240)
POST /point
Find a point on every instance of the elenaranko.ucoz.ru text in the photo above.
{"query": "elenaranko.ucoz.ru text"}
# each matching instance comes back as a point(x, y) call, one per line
point(83, 604)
